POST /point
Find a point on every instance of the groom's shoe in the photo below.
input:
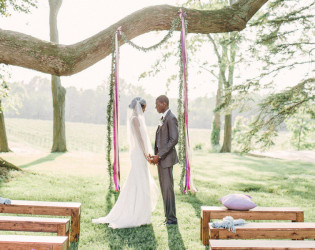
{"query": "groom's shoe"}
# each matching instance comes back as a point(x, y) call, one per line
point(171, 223)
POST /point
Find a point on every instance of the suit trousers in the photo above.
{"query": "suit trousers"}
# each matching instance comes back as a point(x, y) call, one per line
point(167, 188)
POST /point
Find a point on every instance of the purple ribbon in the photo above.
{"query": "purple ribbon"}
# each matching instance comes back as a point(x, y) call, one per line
point(116, 165)
point(182, 16)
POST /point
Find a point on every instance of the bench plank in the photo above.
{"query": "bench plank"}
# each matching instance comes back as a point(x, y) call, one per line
point(209, 213)
point(35, 224)
point(261, 244)
point(297, 230)
point(11, 242)
point(72, 209)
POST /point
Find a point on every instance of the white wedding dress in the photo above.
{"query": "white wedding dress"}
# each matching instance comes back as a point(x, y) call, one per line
point(138, 197)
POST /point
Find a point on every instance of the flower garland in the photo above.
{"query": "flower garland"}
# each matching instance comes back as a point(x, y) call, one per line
point(110, 117)
point(181, 116)
point(181, 102)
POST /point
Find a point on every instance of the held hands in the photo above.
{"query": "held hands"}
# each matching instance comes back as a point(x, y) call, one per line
point(153, 159)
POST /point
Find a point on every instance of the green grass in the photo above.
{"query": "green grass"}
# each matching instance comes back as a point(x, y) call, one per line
point(82, 177)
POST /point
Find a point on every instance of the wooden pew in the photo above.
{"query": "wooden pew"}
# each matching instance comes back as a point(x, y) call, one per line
point(35, 224)
point(26, 242)
point(209, 213)
point(276, 230)
point(261, 244)
point(72, 209)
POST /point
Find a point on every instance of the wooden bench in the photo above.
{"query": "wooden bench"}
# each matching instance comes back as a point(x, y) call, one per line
point(35, 224)
point(26, 242)
point(209, 213)
point(72, 209)
point(261, 244)
point(286, 230)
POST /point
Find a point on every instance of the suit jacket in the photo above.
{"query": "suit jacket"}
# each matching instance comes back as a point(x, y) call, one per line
point(165, 140)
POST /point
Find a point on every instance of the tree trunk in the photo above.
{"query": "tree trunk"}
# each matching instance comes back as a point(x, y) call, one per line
point(4, 147)
point(29, 52)
point(216, 128)
point(58, 92)
point(227, 142)
point(59, 133)
point(226, 147)
point(8, 165)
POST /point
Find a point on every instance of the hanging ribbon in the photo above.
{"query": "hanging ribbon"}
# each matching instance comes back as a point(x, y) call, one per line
point(188, 180)
point(116, 166)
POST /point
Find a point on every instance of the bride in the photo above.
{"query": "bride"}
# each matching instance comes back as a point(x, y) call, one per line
point(139, 194)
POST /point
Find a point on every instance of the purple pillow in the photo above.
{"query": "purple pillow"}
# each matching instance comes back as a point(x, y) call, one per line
point(237, 202)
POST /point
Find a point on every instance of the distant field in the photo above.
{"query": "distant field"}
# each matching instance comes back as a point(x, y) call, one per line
point(92, 137)
point(80, 136)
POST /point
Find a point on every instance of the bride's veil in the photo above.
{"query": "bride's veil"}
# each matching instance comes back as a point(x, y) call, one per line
point(135, 112)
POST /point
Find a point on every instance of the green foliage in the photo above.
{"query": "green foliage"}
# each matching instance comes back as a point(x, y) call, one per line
point(215, 135)
point(4, 88)
point(275, 109)
point(7, 6)
point(199, 146)
point(302, 127)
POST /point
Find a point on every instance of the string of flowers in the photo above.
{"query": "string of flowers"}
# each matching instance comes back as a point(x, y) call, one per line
point(181, 116)
point(180, 109)
point(110, 117)
point(174, 26)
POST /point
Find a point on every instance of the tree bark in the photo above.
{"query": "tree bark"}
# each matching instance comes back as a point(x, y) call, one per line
point(217, 116)
point(58, 92)
point(29, 52)
point(4, 147)
point(8, 165)
point(227, 142)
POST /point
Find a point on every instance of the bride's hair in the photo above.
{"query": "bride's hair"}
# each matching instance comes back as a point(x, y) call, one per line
point(134, 101)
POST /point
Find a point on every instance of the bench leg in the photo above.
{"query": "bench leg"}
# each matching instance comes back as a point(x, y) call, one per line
point(75, 226)
point(299, 217)
point(205, 228)
point(200, 228)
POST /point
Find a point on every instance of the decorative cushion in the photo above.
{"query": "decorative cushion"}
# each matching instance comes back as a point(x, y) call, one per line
point(237, 202)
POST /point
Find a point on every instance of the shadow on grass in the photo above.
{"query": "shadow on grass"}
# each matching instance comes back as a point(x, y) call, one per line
point(175, 240)
point(193, 200)
point(135, 238)
point(49, 157)
point(142, 237)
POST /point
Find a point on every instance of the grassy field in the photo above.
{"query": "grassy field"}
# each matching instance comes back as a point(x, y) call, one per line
point(81, 177)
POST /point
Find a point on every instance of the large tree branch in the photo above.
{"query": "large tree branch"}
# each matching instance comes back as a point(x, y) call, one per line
point(29, 52)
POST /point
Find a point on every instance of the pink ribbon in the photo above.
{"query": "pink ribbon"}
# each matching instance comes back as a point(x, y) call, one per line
point(182, 16)
point(116, 165)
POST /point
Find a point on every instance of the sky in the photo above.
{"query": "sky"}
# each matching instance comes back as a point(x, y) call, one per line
point(80, 19)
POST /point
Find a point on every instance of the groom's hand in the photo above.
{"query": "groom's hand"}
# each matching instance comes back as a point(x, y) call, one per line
point(155, 159)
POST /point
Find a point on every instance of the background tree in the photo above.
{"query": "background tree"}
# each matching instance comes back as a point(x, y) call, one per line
point(302, 127)
point(4, 89)
point(6, 7)
point(283, 41)
point(58, 92)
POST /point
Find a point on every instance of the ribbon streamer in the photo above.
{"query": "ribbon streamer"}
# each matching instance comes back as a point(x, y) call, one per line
point(116, 165)
point(188, 180)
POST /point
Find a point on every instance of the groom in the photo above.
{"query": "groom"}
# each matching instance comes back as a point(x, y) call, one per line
point(165, 156)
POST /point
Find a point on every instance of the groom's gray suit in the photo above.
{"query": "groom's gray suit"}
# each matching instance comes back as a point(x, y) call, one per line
point(165, 140)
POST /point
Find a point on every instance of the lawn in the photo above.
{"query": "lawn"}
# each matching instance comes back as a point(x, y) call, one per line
point(81, 177)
